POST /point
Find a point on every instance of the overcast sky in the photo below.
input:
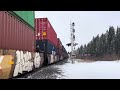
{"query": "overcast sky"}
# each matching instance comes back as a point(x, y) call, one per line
point(87, 23)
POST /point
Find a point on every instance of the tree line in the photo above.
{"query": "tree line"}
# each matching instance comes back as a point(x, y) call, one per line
point(104, 44)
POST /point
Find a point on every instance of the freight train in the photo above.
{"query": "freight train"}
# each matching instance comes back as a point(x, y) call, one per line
point(27, 43)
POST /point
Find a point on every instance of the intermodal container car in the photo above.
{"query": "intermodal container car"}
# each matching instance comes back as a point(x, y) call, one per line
point(18, 41)
point(45, 31)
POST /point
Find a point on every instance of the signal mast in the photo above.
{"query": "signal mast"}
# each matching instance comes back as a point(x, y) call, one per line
point(72, 39)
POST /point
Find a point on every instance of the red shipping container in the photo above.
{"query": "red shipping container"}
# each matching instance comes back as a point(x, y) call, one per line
point(45, 31)
point(14, 34)
point(25, 36)
point(12, 31)
point(17, 45)
point(3, 30)
point(59, 47)
point(0, 29)
point(59, 43)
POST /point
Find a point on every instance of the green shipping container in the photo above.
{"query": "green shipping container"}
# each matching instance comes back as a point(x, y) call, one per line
point(27, 16)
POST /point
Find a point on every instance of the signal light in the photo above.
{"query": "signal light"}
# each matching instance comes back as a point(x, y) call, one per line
point(73, 24)
point(69, 44)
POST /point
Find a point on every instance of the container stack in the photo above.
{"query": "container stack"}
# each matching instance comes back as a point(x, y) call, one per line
point(46, 37)
point(17, 30)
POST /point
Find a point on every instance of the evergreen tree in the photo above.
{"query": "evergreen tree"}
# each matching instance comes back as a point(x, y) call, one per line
point(111, 40)
point(81, 49)
point(108, 43)
point(85, 49)
point(117, 41)
point(88, 48)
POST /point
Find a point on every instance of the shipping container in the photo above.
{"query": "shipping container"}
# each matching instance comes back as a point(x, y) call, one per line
point(64, 52)
point(14, 34)
point(59, 43)
point(27, 16)
point(45, 31)
point(45, 46)
point(0, 29)
point(63, 49)
point(59, 47)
